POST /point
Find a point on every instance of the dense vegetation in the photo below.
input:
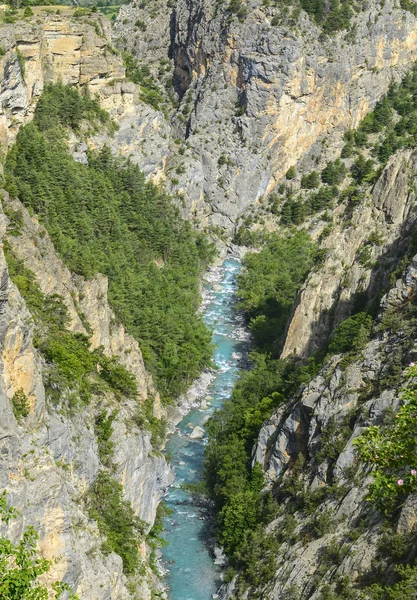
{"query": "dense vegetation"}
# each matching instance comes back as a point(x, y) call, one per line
point(105, 218)
point(269, 282)
point(20, 567)
point(392, 451)
point(151, 92)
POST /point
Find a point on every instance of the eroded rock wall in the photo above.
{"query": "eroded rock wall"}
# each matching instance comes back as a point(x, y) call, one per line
point(258, 98)
point(51, 458)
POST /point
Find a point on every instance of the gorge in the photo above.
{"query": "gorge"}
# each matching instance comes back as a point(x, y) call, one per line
point(138, 154)
point(193, 574)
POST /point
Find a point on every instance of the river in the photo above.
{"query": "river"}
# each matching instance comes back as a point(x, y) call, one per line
point(191, 572)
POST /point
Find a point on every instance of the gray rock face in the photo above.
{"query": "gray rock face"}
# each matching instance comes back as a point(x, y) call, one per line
point(78, 52)
point(319, 427)
point(49, 459)
point(258, 98)
point(326, 297)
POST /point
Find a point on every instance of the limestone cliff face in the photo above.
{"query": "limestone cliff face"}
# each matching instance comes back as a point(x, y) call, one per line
point(51, 458)
point(258, 98)
point(341, 535)
point(49, 461)
point(77, 51)
point(327, 296)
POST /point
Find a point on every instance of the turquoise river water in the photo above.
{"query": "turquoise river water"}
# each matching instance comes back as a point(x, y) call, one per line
point(191, 571)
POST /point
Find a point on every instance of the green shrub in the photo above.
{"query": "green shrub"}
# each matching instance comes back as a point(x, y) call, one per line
point(291, 173)
point(269, 281)
point(239, 9)
point(116, 521)
point(333, 440)
point(20, 404)
point(334, 172)
point(332, 16)
point(68, 354)
point(310, 181)
point(103, 427)
point(352, 334)
point(392, 451)
point(21, 61)
point(141, 25)
point(60, 104)
point(362, 169)
point(151, 93)
point(118, 377)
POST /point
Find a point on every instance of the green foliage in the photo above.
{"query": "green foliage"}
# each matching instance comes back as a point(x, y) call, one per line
point(332, 441)
point(293, 212)
point(72, 367)
point(154, 536)
point(332, 16)
point(239, 9)
point(105, 218)
point(158, 427)
point(409, 5)
point(362, 169)
point(20, 404)
point(269, 282)
point(21, 61)
point(10, 16)
point(291, 173)
point(334, 172)
point(103, 428)
point(151, 93)
point(267, 288)
point(310, 180)
point(392, 451)
point(28, 12)
point(323, 198)
point(257, 556)
point(116, 521)
point(20, 568)
point(119, 379)
point(141, 25)
point(62, 105)
point(352, 334)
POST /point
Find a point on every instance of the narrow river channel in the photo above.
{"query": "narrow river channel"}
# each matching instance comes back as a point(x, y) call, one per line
point(192, 574)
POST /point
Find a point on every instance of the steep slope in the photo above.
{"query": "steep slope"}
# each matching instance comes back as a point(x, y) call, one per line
point(331, 519)
point(76, 51)
point(261, 90)
point(52, 457)
point(83, 423)
point(297, 521)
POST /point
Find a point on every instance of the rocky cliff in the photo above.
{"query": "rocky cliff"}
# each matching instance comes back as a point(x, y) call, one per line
point(330, 537)
point(51, 457)
point(256, 94)
point(260, 94)
point(77, 51)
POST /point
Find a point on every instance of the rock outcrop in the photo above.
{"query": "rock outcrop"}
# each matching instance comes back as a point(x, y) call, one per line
point(328, 294)
point(49, 461)
point(259, 97)
point(341, 535)
point(77, 51)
